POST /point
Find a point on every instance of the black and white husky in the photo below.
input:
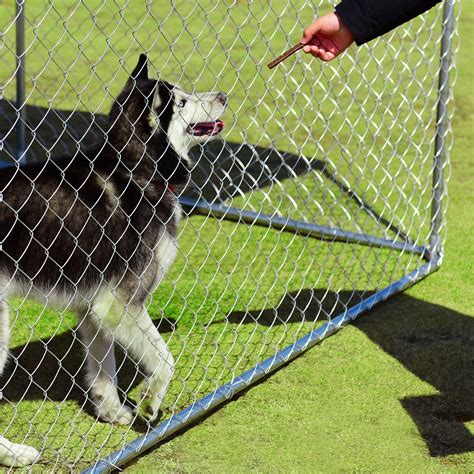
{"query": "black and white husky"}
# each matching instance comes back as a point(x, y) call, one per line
point(96, 234)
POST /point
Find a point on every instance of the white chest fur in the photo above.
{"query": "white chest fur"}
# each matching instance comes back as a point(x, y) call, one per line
point(165, 250)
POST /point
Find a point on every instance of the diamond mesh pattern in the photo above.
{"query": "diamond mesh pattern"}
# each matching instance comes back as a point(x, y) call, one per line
point(346, 146)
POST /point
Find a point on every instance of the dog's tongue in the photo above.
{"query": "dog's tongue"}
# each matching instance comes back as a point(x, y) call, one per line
point(206, 128)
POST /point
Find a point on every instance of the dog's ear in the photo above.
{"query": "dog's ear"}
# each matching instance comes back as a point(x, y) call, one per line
point(141, 69)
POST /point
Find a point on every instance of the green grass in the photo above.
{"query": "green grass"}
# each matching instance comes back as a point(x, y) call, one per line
point(375, 397)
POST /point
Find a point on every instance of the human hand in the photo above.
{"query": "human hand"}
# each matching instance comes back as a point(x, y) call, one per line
point(327, 37)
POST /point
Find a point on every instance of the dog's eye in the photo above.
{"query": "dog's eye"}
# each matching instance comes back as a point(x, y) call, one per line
point(181, 103)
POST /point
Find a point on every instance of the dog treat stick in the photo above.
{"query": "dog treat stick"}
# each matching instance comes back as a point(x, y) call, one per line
point(285, 55)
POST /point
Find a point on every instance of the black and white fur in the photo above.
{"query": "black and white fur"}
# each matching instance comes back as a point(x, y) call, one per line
point(96, 234)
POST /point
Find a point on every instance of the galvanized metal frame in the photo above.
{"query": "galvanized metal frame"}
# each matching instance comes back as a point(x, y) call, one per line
point(20, 80)
point(433, 253)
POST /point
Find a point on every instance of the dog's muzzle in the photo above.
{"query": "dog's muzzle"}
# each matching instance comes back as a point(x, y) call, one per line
point(206, 128)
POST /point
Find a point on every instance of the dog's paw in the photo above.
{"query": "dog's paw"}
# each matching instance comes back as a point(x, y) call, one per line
point(117, 414)
point(149, 409)
point(17, 455)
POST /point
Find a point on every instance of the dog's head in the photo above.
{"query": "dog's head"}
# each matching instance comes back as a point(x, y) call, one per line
point(158, 113)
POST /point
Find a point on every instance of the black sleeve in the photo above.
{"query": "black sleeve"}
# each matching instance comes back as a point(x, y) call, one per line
point(368, 19)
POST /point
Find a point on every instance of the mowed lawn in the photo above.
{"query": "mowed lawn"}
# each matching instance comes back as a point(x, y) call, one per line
point(390, 392)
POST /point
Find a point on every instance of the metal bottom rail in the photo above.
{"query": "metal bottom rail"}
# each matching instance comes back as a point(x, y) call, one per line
point(304, 228)
point(227, 391)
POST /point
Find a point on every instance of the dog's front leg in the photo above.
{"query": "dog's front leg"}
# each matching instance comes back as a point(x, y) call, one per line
point(133, 329)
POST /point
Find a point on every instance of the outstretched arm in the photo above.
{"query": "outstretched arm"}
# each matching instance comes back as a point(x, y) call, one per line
point(368, 19)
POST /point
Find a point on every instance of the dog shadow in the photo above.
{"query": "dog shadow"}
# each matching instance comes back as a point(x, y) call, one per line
point(433, 342)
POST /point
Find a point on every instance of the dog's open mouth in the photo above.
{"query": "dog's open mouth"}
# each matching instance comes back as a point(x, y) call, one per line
point(201, 129)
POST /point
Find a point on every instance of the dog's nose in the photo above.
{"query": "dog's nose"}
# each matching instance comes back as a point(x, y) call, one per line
point(222, 98)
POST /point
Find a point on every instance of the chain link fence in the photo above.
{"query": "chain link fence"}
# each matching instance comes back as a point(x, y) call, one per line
point(326, 196)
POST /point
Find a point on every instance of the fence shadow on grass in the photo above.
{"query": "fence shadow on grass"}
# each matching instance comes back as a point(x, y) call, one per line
point(436, 344)
point(222, 169)
point(433, 342)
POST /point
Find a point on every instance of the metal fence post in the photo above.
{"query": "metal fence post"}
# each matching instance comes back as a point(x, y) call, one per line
point(437, 216)
point(20, 81)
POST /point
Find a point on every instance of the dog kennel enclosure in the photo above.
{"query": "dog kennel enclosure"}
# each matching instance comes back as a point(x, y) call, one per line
point(326, 195)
